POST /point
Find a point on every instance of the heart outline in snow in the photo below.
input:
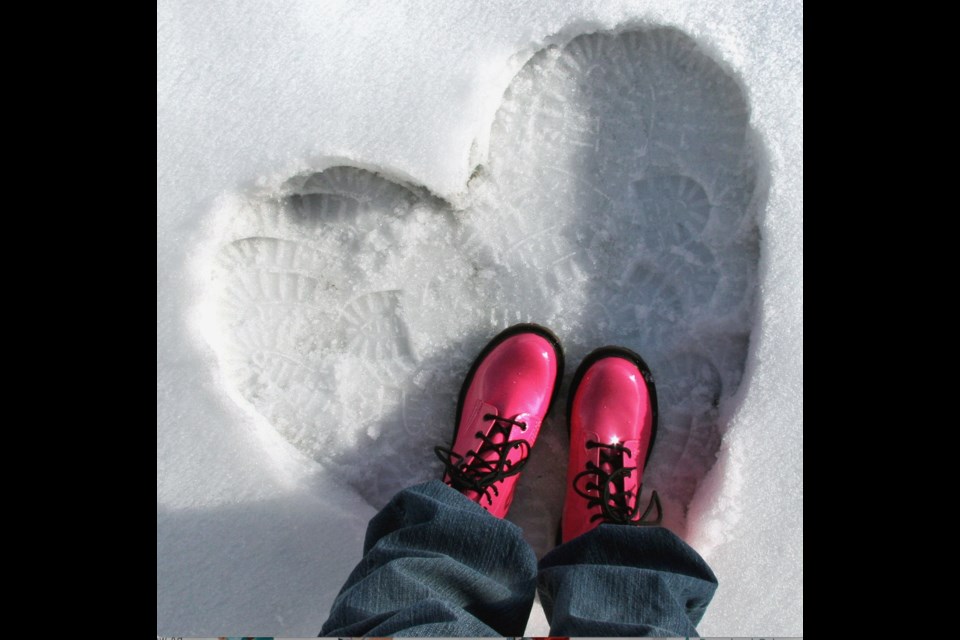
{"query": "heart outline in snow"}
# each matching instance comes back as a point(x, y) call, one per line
point(618, 206)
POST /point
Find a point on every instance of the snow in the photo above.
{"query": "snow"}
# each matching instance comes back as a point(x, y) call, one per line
point(353, 198)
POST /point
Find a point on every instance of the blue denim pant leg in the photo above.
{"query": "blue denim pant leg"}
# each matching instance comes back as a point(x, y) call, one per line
point(437, 564)
point(625, 581)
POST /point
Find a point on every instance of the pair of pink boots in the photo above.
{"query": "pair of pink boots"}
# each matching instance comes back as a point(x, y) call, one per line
point(612, 422)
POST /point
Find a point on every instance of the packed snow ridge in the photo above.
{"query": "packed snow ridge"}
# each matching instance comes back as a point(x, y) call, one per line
point(618, 206)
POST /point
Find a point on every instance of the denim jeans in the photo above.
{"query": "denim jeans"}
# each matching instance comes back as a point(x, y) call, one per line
point(437, 564)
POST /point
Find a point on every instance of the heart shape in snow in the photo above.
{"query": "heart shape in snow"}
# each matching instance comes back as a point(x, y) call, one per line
point(617, 207)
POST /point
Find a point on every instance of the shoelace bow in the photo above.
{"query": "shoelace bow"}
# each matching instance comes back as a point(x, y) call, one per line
point(481, 475)
point(614, 506)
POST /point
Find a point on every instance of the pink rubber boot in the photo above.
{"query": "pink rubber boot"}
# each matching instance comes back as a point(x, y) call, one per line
point(502, 404)
point(612, 417)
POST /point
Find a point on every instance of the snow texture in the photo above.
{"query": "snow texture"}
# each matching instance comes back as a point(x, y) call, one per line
point(612, 181)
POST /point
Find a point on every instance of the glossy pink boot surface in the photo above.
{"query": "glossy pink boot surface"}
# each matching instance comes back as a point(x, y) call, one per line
point(613, 422)
point(503, 402)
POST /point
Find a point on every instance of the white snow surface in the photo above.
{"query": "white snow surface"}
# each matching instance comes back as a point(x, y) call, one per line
point(353, 197)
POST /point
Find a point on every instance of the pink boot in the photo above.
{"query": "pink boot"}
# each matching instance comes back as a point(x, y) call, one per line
point(612, 417)
point(502, 404)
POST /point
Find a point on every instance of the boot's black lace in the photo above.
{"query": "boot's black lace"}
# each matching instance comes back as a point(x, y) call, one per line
point(613, 499)
point(480, 474)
